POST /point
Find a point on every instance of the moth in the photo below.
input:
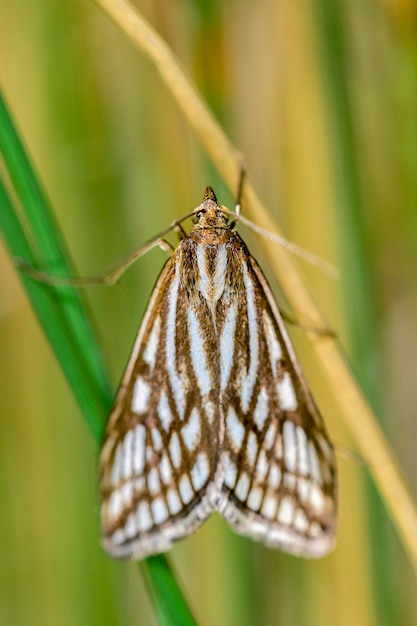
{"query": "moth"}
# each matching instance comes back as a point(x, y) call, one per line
point(213, 412)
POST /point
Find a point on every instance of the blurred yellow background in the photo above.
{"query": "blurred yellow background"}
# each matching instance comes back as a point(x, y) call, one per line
point(321, 97)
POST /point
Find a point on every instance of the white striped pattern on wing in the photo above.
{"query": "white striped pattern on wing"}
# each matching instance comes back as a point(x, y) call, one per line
point(276, 476)
point(198, 354)
point(150, 352)
point(175, 381)
point(159, 482)
point(227, 345)
point(248, 384)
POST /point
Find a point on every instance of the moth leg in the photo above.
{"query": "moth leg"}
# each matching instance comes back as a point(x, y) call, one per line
point(107, 279)
point(322, 332)
point(179, 230)
point(350, 455)
point(165, 246)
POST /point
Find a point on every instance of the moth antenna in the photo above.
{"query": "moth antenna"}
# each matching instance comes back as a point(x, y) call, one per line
point(310, 257)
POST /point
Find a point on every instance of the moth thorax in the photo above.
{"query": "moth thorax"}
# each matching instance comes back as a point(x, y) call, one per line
point(211, 261)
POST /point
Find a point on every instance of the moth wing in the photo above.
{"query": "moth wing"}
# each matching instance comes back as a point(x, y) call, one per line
point(160, 451)
point(280, 470)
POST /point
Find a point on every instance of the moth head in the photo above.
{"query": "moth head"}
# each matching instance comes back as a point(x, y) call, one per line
point(209, 214)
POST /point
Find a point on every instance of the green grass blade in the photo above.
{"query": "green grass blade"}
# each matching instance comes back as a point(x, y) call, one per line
point(48, 309)
point(171, 608)
point(66, 325)
point(51, 250)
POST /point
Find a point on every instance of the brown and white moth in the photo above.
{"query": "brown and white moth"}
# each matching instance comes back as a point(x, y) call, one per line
point(213, 413)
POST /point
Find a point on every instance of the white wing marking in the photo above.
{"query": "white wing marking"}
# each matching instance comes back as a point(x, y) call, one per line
point(176, 384)
point(227, 346)
point(192, 430)
point(286, 393)
point(249, 384)
point(198, 355)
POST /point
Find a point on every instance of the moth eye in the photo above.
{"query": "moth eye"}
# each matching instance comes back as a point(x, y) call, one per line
point(197, 217)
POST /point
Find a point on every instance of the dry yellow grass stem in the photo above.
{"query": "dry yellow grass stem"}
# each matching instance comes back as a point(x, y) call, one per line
point(360, 420)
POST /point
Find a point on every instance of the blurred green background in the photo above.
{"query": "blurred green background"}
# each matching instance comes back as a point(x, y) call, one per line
point(321, 97)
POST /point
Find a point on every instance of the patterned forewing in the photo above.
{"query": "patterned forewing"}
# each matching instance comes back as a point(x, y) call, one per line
point(279, 484)
point(160, 452)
